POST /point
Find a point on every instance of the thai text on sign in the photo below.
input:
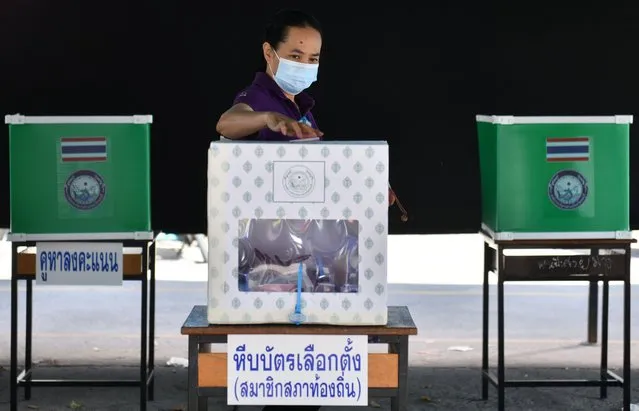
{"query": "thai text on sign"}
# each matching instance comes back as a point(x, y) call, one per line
point(297, 370)
point(67, 263)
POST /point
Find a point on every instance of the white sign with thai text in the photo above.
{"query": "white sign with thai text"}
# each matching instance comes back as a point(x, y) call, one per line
point(297, 370)
point(65, 263)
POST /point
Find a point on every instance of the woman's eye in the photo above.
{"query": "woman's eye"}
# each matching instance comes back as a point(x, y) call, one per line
point(314, 60)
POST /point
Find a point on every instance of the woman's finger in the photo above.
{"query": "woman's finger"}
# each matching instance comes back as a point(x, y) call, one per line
point(298, 129)
point(310, 131)
point(282, 127)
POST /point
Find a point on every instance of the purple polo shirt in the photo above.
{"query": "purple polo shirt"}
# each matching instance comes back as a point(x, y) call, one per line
point(265, 95)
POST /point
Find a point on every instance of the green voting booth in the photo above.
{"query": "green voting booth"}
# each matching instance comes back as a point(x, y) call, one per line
point(555, 177)
point(76, 175)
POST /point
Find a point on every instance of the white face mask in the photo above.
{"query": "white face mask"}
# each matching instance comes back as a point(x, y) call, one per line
point(294, 77)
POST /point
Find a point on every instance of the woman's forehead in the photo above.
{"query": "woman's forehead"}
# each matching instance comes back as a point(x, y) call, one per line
point(304, 39)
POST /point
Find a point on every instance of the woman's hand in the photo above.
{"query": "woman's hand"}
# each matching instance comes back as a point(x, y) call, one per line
point(391, 197)
point(289, 127)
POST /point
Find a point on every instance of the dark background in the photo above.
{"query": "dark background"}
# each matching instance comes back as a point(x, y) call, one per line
point(415, 74)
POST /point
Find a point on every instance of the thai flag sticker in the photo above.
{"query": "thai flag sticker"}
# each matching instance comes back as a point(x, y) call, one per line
point(73, 149)
point(563, 149)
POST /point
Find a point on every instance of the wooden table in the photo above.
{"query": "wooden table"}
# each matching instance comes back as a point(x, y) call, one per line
point(387, 373)
point(515, 260)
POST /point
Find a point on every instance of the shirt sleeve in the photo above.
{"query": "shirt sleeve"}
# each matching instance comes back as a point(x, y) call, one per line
point(252, 98)
point(309, 117)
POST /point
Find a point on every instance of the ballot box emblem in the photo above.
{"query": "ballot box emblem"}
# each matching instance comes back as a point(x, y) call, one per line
point(298, 181)
point(84, 189)
point(567, 189)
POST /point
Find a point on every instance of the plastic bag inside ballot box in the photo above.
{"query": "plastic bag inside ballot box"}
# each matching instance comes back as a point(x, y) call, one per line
point(283, 255)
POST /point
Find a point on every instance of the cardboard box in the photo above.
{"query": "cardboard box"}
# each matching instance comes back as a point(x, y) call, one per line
point(298, 232)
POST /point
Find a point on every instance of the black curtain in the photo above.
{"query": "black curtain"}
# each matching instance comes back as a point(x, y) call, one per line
point(413, 73)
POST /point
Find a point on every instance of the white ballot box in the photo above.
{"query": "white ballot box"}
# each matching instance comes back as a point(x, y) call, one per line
point(298, 232)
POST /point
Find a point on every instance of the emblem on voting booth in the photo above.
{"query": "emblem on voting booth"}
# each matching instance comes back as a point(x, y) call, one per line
point(568, 189)
point(84, 189)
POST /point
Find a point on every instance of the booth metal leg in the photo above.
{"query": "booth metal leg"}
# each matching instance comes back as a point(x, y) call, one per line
point(28, 346)
point(603, 372)
point(593, 297)
point(143, 334)
point(593, 303)
point(626, 332)
point(485, 323)
point(501, 368)
point(151, 362)
point(13, 372)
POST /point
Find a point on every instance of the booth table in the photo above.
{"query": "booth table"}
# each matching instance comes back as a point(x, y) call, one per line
point(387, 373)
point(516, 260)
point(138, 265)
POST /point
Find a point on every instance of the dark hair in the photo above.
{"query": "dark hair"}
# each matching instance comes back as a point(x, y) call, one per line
point(277, 27)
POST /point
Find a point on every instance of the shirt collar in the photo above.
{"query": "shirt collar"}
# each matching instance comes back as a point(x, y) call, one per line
point(303, 100)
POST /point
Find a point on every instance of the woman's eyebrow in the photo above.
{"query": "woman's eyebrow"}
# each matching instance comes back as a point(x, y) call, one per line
point(301, 52)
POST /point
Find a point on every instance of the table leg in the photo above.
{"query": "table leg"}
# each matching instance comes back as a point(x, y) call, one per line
point(485, 322)
point(593, 297)
point(151, 363)
point(398, 403)
point(626, 332)
point(593, 302)
point(28, 344)
point(501, 371)
point(605, 304)
point(196, 403)
point(13, 372)
point(143, 334)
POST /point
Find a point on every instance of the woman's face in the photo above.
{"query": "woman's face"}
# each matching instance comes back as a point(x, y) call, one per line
point(302, 45)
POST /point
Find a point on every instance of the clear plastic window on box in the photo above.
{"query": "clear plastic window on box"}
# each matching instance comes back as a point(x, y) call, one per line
point(278, 255)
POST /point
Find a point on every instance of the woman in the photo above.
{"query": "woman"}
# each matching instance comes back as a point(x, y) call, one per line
point(275, 107)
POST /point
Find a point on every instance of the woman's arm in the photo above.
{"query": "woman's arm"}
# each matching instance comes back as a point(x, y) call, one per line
point(240, 121)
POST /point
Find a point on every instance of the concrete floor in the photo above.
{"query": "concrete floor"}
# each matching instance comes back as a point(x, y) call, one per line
point(430, 388)
point(84, 332)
